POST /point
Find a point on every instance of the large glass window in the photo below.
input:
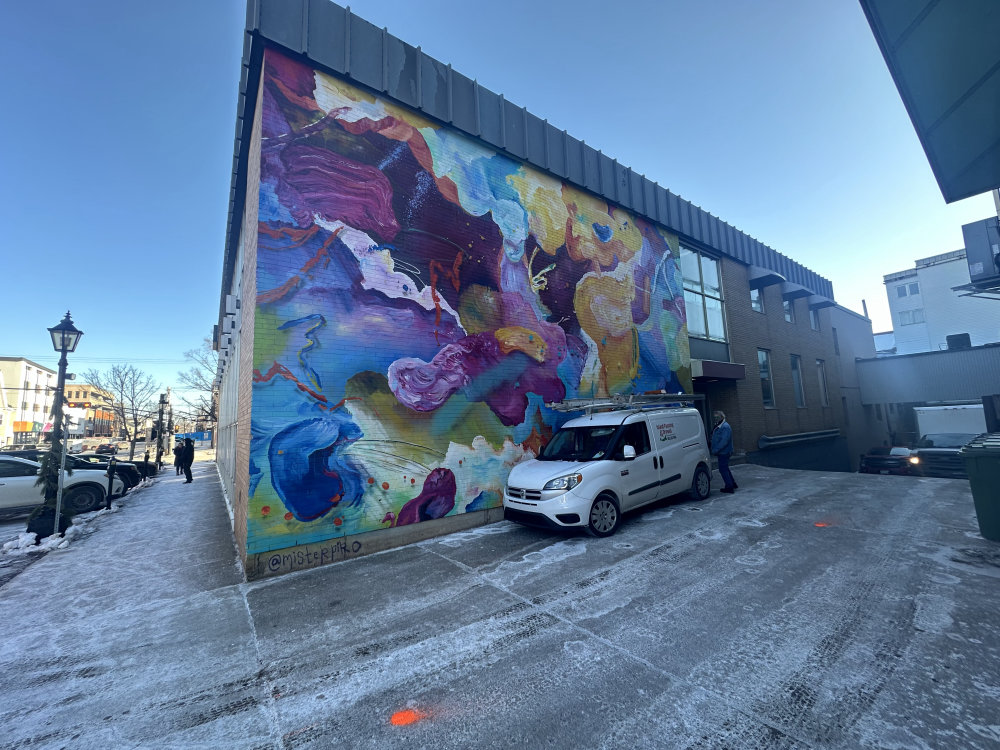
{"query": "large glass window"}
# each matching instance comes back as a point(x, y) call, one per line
point(901, 290)
point(910, 317)
point(789, 307)
point(914, 289)
point(824, 395)
point(757, 300)
point(800, 394)
point(814, 319)
point(703, 295)
point(766, 386)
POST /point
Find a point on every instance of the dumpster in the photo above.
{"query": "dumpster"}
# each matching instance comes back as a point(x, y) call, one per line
point(982, 462)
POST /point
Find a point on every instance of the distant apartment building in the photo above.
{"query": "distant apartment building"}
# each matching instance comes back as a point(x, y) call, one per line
point(29, 389)
point(926, 310)
point(99, 419)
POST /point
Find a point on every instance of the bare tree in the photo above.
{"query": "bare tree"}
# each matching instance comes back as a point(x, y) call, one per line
point(200, 405)
point(134, 393)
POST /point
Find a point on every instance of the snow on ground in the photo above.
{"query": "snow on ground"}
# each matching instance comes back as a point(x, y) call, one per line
point(26, 543)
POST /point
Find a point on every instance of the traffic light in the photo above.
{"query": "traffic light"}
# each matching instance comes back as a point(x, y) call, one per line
point(78, 404)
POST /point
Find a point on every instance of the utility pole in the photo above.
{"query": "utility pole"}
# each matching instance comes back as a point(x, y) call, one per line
point(159, 433)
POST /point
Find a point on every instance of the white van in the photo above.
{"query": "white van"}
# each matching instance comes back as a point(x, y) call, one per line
point(598, 466)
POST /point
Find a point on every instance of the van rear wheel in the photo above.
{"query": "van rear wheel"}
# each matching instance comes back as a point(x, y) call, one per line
point(701, 485)
point(604, 517)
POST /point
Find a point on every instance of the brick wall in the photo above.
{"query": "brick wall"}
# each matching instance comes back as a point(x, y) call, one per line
point(749, 331)
point(248, 305)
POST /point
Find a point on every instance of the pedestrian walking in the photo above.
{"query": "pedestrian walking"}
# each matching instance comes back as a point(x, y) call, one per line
point(178, 450)
point(722, 448)
point(187, 458)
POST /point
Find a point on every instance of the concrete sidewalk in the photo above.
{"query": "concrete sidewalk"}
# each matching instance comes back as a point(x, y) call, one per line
point(807, 610)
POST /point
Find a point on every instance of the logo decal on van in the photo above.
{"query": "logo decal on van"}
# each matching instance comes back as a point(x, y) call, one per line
point(666, 431)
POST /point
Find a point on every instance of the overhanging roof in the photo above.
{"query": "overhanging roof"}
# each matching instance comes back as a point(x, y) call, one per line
point(944, 56)
point(331, 38)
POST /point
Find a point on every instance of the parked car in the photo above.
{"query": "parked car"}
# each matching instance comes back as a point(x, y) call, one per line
point(937, 455)
point(129, 472)
point(108, 448)
point(599, 466)
point(885, 460)
point(82, 491)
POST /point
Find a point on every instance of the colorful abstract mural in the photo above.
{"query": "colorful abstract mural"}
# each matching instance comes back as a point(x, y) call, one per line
point(420, 298)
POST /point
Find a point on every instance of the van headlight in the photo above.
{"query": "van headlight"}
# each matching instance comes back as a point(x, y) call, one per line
point(567, 482)
point(914, 460)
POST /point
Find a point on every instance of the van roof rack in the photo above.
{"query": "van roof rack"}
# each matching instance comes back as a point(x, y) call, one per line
point(633, 401)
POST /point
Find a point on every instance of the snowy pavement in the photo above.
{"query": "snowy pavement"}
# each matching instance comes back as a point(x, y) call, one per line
point(807, 610)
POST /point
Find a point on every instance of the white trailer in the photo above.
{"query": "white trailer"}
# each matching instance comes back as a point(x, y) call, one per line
point(961, 418)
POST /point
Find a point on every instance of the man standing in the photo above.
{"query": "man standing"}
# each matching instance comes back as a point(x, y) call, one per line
point(722, 448)
point(187, 458)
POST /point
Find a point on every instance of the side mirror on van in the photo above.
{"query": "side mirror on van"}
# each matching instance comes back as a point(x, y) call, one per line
point(628, 452)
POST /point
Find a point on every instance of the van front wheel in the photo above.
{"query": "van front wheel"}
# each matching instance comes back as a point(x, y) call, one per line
point(701, 485)
point(604, 517)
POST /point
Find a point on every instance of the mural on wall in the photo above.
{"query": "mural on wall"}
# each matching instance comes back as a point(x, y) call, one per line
point(420, 298)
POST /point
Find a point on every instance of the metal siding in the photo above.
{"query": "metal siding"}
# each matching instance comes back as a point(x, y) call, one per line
point(365, 52)
point(574, 160)
point(636, 196)
point(591, 159)
point(325, 35)
point(556, 143)
point(463, 103)
point(957, 375)
point(434, 94)
point(514, 137)
point(649, 199)
point(607, 167)
point(662, 202)
point(281, 20)
point(490, 114)
point(621, 193)
point(402, 72)
point(537, 146)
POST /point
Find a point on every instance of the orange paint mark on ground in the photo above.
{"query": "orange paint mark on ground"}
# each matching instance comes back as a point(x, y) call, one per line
point(404, 717)
point(820, 524)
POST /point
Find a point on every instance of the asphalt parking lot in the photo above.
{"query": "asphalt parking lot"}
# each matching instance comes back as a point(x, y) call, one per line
point(807, 610)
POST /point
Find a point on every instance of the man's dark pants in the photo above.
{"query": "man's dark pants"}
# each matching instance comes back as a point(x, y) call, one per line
point(724, 472)
point(187, 472)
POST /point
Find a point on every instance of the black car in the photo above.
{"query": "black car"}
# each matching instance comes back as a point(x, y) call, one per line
point(886, 460)
point(128, 472)
point(108, 448)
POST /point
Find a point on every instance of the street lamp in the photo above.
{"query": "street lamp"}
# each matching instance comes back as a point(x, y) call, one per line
point(159, 433)
point(65, 337)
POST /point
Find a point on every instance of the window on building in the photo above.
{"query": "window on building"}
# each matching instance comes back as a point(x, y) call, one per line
point(789, 307)
point(814, 319)
point(911, 317)
point(702, 295)
point(914, 288)
point(824, 395)
point(800, 394)
point(764, 365)
point(836, 343)
point(757, 300)
point(901, 290)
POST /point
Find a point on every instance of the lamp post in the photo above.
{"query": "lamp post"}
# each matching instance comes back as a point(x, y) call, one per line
point(159, 433)
point(65, 337)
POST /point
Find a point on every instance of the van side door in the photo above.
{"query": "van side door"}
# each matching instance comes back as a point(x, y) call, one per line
point(640, 476)
point(668, 437)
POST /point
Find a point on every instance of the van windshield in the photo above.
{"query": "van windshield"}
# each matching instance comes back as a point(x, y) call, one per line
point(945, 440)
point(579, 444)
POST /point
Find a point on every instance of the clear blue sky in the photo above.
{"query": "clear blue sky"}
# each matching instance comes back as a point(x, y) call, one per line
point(116, 143)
